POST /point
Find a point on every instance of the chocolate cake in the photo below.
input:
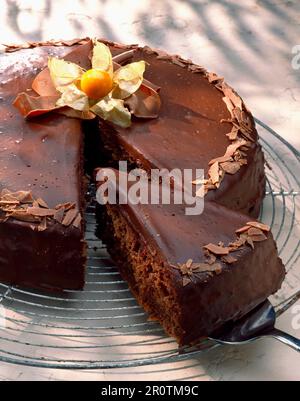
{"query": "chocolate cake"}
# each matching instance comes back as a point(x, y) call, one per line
point(192, 273)
point(41, 160)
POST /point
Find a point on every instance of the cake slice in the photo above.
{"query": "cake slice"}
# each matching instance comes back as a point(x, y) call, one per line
point(41, 183)
point(191, 273)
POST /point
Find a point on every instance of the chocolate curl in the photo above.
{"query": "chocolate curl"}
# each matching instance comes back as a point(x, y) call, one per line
point(30, 106)
point(43, 84)
point(145, 103)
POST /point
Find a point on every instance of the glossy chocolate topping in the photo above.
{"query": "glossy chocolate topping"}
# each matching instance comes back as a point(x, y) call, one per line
point(189, 132)
point(210, 298)
point(44, 156)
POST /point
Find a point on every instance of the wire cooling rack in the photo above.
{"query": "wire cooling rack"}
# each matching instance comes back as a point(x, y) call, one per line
point(103, 327)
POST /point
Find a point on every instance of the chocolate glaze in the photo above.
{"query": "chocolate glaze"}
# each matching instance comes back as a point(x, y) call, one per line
point(188, 133)
point(44, 156)
point(209, 300)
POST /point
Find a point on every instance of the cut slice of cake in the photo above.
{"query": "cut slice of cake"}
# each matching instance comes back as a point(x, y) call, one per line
point(41, 184)
point(191, 273)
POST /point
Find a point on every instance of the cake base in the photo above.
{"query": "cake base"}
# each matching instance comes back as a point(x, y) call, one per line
point(146, 242)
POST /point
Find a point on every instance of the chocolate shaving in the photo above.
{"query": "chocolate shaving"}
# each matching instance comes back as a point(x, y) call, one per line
point(77, 221)
point(186, 281)
point(20, 196)
point(254, 231)
point(248, 234)
point(213, 173)
point(242, 229)
point(205, 267)
point(125, 57)
point(43, 225)
point(231, 167)
point(261, 226)
point(232, 96)
point(176, 61)
point(243, 162)
point(249, 241)
point(66, 206)
point(9, 48)
point(189, 268)
point(35, 204)
point(258, 238)
point(22, 215)
point(216, 249)
point(238, 243)
point(240, 134)
point(23, 207)
point(196, 69)
point(189, 263)
point(211, 258)
point(39, 212)
point(59, 215)
point(233, 134)
point(229, 259)
point(42, 203)
point(212, 77)
point(9, 202)
point(230, 151)
point(229, 105)
point(69, 217)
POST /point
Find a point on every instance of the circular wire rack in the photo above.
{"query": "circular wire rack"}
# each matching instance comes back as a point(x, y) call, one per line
point(103, 326)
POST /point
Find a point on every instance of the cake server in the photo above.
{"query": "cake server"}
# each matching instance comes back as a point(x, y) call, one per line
point(255, 325)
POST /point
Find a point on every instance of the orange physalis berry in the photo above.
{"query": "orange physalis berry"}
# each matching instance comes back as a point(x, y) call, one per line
point(96, 83)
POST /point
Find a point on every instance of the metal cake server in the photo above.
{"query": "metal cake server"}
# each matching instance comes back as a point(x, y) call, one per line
point(257, 324)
